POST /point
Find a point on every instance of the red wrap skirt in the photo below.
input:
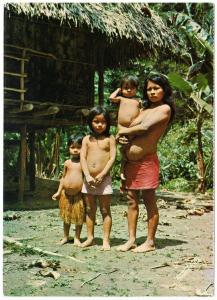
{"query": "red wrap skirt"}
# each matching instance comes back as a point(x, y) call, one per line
point(142, 174)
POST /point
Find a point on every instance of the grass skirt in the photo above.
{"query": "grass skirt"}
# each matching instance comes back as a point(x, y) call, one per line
point(72, 209)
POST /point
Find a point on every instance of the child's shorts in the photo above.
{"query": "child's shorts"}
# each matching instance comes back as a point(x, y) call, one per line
point(104, 188)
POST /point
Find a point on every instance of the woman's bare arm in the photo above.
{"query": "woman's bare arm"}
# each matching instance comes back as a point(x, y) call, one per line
point(160, 115)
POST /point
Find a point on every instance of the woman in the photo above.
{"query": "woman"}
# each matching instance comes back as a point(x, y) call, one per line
point(142, 169)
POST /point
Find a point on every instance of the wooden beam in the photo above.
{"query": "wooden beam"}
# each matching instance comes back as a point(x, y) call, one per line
point(68, 107)
point(15, 74)
point(26, 108)
point(22, 171)
point(14, 90)
point(15, 58)
point(52, 110)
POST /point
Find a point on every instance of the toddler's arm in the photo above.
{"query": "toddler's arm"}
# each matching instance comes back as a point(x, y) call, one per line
point(58, 193)
point(114, 98)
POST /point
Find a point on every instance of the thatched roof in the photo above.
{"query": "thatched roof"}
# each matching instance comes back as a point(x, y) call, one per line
point(132, 22)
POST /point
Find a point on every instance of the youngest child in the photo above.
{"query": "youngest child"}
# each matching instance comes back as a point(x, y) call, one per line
point(71, 203)
point(129, 108)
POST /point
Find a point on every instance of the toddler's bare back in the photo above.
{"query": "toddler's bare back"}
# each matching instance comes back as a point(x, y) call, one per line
point(128, 111)
point(73, 180)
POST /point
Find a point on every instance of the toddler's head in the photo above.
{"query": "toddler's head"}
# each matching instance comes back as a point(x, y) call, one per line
point(74, 144)
point(129, 86)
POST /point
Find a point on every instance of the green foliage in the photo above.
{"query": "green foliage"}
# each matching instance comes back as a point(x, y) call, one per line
point(178, 156)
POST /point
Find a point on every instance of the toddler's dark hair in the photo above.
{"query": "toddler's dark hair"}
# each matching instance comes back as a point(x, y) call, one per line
point(75, 138)
point(133, 81)
point(98, 110)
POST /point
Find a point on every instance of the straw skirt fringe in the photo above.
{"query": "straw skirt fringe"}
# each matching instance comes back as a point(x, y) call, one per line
point(72, 209)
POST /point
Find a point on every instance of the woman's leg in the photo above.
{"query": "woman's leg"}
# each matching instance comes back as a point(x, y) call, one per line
point(90, 219)
point(132, 217)
point(105, 202)
point(153, 219)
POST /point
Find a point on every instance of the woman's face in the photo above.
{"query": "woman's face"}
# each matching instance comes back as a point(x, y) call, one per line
point(155, 92)
point(99, 124)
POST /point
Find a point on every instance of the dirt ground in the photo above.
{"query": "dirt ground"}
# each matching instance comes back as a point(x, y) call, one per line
point(182, 265)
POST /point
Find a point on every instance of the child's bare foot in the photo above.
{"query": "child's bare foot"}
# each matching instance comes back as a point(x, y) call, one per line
point(77, 242)
point(145, 247)
point(127, 246)
point(88, 243)
point(106, 246)
point(65, 240)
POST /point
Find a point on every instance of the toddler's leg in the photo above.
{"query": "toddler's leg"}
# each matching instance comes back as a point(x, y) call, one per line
point(105, 202)
point(66, 228)
point(90, 219)
point(123, 161)
point(77, 241)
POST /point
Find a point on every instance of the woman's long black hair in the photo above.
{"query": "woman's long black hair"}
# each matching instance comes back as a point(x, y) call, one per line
point(98, 110)
point(161, 80)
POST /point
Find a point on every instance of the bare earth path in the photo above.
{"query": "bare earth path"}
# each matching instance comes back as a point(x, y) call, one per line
point(182, 264)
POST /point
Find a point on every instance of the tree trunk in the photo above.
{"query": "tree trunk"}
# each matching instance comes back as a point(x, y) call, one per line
point(200, 160)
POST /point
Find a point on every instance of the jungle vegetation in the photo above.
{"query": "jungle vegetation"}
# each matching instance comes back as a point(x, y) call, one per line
point(186, 152)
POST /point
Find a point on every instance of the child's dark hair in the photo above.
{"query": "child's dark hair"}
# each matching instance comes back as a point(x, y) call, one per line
point(131, 80)
point(98, 110)
point(161, 80)
point(75, 138)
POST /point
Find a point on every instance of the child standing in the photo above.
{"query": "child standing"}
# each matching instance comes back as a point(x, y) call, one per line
point(71, 203)
point(128, 110)
point(97, 157)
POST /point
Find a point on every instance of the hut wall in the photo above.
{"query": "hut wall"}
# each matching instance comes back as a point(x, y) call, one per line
point(66, 76)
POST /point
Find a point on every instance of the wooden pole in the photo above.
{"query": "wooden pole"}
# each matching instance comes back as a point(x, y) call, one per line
point(32, 160)
point(101, 76)
point(22, 171)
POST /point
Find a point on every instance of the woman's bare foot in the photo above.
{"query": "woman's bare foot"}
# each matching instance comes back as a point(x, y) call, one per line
point(77, 242)
point(145, 247)
point(127, 246)
point(65, 240)
point(106, 246)
point(88, 243)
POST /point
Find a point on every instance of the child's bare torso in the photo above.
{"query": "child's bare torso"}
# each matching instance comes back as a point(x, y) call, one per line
point(128, 110)
point(73, 179)
point(98, 154)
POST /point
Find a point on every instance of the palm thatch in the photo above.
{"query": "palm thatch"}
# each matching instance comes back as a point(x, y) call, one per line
point(133, 23)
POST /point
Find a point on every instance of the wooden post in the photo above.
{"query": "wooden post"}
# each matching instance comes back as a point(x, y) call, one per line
point(32, 160)
point(22, 171)
point(22, 79)
point(101, 76)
